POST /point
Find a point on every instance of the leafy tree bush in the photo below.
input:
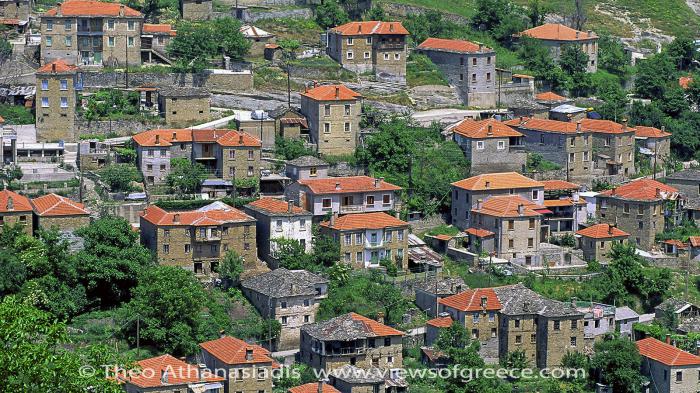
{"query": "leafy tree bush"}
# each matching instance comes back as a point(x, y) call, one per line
point(111, 103)
point(119, 176)
point(617, 363)
point(231, 267)
point(330, 14)
point(612, 55)
point(197, 42)
point(5, 50)
point(185, 176)
point(289, 148)
point(16, 114)
point(501, 18)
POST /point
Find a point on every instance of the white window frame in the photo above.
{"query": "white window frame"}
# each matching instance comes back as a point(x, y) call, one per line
point(367, 55)
point(63, 83)
point(49, 41)
point(64, 102)
point(44, 84)
point(110, 42)
point(349, 55)
point(350, 41)
point(501, 145)
point(479, 145)
point(44, 102)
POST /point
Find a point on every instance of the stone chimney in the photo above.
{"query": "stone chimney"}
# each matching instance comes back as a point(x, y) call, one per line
point(668, 339)
point(164, 376)
point(176, 218)
point(481, 47)
point(337, 186)
point(484, 300)
point(663, 128)
point(174, 136)
point(624, 124)
point(333, 218)
point(487, 185)
point(59, 11)
point(377, 182)
point(10, 204)
point(121, 9)
point(391, 27)
point(489, 130)
point(611, 228)
point(320, 386)
point(658, 192)
point(337, 92)
point(290, 206)
point(521, 209)
point(573, 301)
point(578, 126)
point(578, 33)
point(157, 139)
point(590, 33)
point(249, 354)
point(240, 138)
point(53, 67)
point(202, 368)
point(380, 317)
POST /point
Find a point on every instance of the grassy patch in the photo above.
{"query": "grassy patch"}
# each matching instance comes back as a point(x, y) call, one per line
point(421, 71)
point(304, 30)
point(443, 230)
point(400, 98)
point(272, 78)
point(14, 114)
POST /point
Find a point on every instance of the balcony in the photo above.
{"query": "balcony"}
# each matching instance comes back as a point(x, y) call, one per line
point(374, 244)
point(391, 45)
point(344, 209)
point(341, 351)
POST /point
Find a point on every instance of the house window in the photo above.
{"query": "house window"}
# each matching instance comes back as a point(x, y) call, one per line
point(358, 257)
point(535, 195)
point(188, 248)
point(49, 25)
point(511, 244)
point(63, 82)
point(533, 338)
point(488, 77)
point(574, 324)
point(347, 110)
point(64, 102)
point(473, 78)
point(572, 342)
point(473, 60)
point(368, 40)
point(347, 127)
point(475, 334)
point(348, 241)
point(626, 207)
point(386, 199)
point(585, 156)
point(488, 60)
point(327, 128)
point(110, 24)
point(572, 142)
point(306, 303)
point(475, 317)
point(386, 56)
point(480, 145)
point(284, 320)
point(641, 225)
point(370, 200)
point(350, 41)
point(326, 110)
point(130, 41)
point(250, 171)
point(130, 25)
point(397, 56)
point(516, 323)
point(231, 171)
point(49, 41)
point(572, 157)
point(326, 203)
point(110, 41)
point(283, 304)
point(246, 246)
point(44, 102)
point(532, 223)
point(306, 319)
point(679, 376)
point(349, 55)
point(366, 55)
point(358, 238)
point(461, 77)
point(45, 86)
point(387, 341)
point(556, 325)
point(231, 154)
point(492, 316)
point(501, 145)
point(530, 242)
point(166, 248)
point(511, 225)
point(69, 41)
point(518, 339)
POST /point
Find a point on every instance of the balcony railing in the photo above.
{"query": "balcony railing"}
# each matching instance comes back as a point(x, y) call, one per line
point(341, 351)
point(373, 244)
point(351, 209)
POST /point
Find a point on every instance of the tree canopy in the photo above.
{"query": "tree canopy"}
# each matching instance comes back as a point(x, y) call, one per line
point(197, 42)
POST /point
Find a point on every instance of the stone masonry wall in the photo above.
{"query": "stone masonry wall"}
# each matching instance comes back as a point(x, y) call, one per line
point(214, 80)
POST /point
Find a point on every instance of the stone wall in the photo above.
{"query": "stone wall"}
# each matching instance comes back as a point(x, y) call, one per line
point(301, 13)
point(214, 80)
point(512, 94)
point(404, 10)
point(118, 127)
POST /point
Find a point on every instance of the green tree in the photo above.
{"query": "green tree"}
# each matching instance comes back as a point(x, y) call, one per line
point(231, 267)
point(617, 362)
point(326, 250)
point(681, 51)
point(192, 47)
point(299, 374)
point(228, 37)
point(537, 12)
point(653, 76)
point(8, 174)
point(13, 273)
point(614, 102)
point(339, 273)
point(539, 61)
point(375, 13)
point(291, 254)
point(185, 176)
point(119, 176)
point(291, 148)
point(573, 60)
point(330, 14)
point(612, 55)
point(501, 18)
point(674, 102)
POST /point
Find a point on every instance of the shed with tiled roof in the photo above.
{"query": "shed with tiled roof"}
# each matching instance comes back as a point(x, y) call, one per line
point(54, 210)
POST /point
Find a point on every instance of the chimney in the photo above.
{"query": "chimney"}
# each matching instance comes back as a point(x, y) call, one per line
point(668, 339)
point(320, 386)
point(337, 92)
point(202, 368)
point(481, 47)
point(590, 33)
point(377, 182)
point(489, 130)
point(53, 67)
point(484, 300)
point(578, 126)
point(121, 9)
point(157, 139)
point(164, 376)
point(478, 204)
point(380, 317)
point(293, 287)
point(658, 192)
point(391, 27)
point(624, 124)
point(521, 209)
point(573, 301)
point(611, 228)
point(612, 192)
point(333, 218)
point(176, 218)
point(337, 186)
point(487, 185)
point(578, 33)
point(59, 12)
point(663, 128)
point(174, 135)
point(290, 206)
point(240, 138)
point(10, 204)
point(526, 306)
point(249, 354)
point(359, 27)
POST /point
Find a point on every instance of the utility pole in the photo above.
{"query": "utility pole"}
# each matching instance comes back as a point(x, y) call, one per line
point(126, 55)
point(138, 336)
point(289, 86)
point(656, 152)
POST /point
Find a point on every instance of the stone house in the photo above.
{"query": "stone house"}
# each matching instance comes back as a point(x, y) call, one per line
point(555, 37)
point(226, 154)
point(568, 112)
point(563, 143)
point(469, 66)
point(370, 46)
point(196, 10)
point(333, 115)
point(290, 123)
point(490, 146)
point(314, 387)
point(597, 240)
point(694, 248)
point(344, 195)
point(93, 154)
point(625, 318)
point(677, 309)
point(15, 11)
point(56, 99)
point(435, 326)
point(688, 183)
point(197, 240)
point(567, 210)
point(306, 167)
point(351, 339)
point(641, 208)
point(672, 370)
point(290, 296)
point(184, 105)
point(167, 374)
point(598, 321)
point(246, 368)
point(259, 124)
point(430, 290)
point(154, 41)
point(16, 209)
point(367, 238)
point(89, 32)
point(277, 219)
point(655, 143)
point(468, 192)
point(550, 99)
point(258, 39)
point(613, 146)
point(53, 210)
point(352, 379)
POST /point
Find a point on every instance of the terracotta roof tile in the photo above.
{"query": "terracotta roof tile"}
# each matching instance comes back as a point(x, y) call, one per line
point(338, 185)
point(92, 8)
point(20, 202)
point(685, 81)
point(508, 206)
point(167, 137)
point(549, 96)
point(176, 371)
point(347, 327)
point(557, 32)
point(370, 27)
point(558, 202)
point(676, 242)
point(313, 388)
point(460, 46)
point(490, 128)
point(375, 220)
point(443, 237)
point(59, 65)
point(556, 185)
point(665, 353)
point(159, 28)
point(2, 120)
point(9, 21)
point(642, 190)
point(605, 126)
point(602, 231)
point(273, 205)
point(470, 300)
point(379, 329)
point(158, 216)
point(544, 125)
point(332, 93)
point(231, 350)
point(237, 138)
point(497, 181)
point(440, 322)
point(56, 205)
point(478, 232)
point(694, 241)
point(650, 132)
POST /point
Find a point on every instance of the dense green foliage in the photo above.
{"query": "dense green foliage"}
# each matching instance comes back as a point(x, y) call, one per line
point(421, 71)
point(197, 42)
point(185, 176)
point(119, 176)
point(292, 255)
point(16, 114)
point(111, 103)
point(330, 14)
point(617, 362)
point(289, 149)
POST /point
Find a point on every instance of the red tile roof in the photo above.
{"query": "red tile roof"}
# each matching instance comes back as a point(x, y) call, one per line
point(677, 243)
point(159, 28)
point(370, 27)
point(91, 8)
point(332, 93)
point(57, 66)
point(9, 21)
point(478, 232)
point(508, 206)
point(443, 237)
point(379, 329)
point(377, 220)
point(273, 205)
point(313, 388)
point(557, 32)
point(694, 241)
point(238, 138)
point(605, 126)
point(558, 202)
point(158, 216)
point(549, 96)
point(460, 46)
point(685, 81)
point(556, 185)
point(544, 125)
point(338, 185)
point(470, 300)
point(641, 190)
point(176, 371)
point(21, 203)
point(650, 132)
point(56, 205)
point(490, 128)
point(665, 353)
point(166, 137)
point(602, 231)
point(440, 322)
point(497, 181)
point(231, 350)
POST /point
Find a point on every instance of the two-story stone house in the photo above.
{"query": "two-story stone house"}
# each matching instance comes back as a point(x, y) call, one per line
point(655, 143)
point(468, 192)
point(613, 144)
point(306, 167)
point(370, 46)
point(367, 238)
point(351, 339)
point(290, 296)
point(197, 240)
point(196, 10)
point(89, 32)
point(688, 183)
point(15, 12)
point(16, 209)
point(167, 374)
point(245, 368)
point(277, 219)
point(333, 115)
point(57, 84)
point(555, 37)
point(596, 241)
point(184, 105)
point(567, 210)
point(641, 208)
point(344, 195)
point(490, 146)
point(154, 39)
point(672, 369)
point(55, 211)
point(469, 66)
point(564, 143)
